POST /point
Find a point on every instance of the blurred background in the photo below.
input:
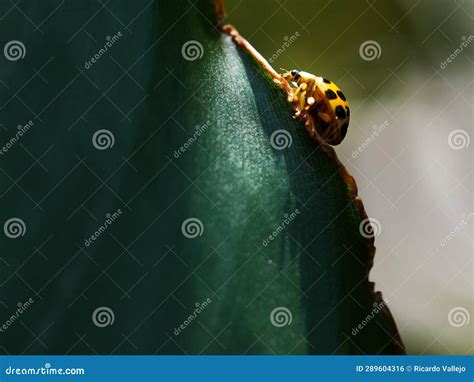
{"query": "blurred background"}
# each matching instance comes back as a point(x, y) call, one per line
point(407, 69)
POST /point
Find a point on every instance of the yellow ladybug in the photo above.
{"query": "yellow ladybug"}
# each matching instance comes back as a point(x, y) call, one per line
point(323, 101)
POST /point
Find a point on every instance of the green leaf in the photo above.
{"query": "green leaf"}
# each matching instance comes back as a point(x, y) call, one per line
point(228, 290)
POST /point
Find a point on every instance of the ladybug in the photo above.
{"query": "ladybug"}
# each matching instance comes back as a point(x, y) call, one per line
point(322, 100)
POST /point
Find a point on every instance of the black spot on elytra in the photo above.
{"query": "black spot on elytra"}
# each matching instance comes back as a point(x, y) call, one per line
point(341, 95)
point(330, 94)
point(326, 81)
point(348, 112)
point(340, 112)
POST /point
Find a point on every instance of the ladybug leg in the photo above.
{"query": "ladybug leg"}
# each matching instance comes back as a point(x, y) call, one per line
point(299, 115)
point(300, 89)
point(311, 97)
point(310, 101)
point(299, 97)
point(302, 105)
point(302, 100)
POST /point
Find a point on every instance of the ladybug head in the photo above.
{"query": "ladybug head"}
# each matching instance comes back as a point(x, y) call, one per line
point(292, 75)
